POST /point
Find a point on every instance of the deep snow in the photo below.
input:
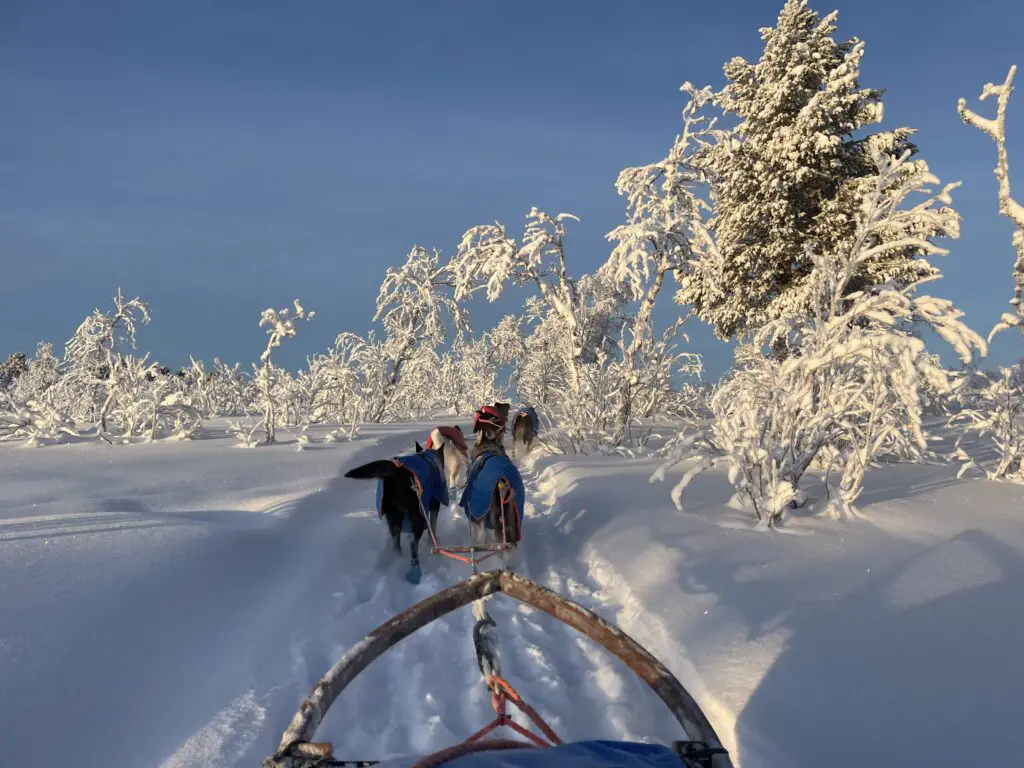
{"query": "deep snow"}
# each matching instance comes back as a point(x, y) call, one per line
point(170, 604)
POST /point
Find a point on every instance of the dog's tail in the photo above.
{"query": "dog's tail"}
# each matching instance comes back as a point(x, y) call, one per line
point(374, 470)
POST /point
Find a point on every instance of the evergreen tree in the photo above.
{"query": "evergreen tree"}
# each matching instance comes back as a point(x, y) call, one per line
point(12, 368)
point(790, 177)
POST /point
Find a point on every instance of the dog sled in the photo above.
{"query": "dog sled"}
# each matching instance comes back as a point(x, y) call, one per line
point(539, 746)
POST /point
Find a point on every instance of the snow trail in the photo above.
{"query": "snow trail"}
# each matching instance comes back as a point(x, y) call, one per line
point(428, 689)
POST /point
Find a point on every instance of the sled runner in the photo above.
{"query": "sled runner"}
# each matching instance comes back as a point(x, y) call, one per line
point(699, 747)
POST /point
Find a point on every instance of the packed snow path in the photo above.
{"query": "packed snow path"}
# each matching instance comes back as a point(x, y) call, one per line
point(138, 637)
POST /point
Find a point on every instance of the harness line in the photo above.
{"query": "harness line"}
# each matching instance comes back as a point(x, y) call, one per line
point(502, 692)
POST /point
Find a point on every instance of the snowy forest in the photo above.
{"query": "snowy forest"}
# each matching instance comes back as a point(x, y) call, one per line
point(785, 222)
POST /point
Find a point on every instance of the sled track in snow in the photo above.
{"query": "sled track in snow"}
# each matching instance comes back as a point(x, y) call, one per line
point(426, 693)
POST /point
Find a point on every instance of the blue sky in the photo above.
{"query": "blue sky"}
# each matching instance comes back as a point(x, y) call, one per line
point(219, 157)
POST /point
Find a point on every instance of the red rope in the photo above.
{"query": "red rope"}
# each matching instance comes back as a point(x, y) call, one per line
point(501, 692)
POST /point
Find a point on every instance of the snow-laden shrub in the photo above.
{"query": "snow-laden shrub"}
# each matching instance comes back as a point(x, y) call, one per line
point(993, 410)
point(33, 420)
point(222, 391)
point(279, 326)
point(102, 342)
point(144, 402)
point(849, 391)
point(41, 372)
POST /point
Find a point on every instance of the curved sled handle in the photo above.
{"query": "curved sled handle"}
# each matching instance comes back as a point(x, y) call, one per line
point(664, 684)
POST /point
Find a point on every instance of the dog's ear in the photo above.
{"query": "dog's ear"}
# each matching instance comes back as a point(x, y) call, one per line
point(419, 448)
point(460, 429)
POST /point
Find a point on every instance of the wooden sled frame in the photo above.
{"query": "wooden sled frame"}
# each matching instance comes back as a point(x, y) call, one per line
point(296, 749)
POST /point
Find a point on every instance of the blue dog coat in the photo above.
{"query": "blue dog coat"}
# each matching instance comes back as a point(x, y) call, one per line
point(528, 412)
point(426, 472)
point(481, 480)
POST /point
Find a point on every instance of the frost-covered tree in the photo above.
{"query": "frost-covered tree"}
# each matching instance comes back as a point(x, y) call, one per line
point(851, 392)
point(995, 129)
point(789, 178)
point(541, 369)
point(488, 258)
point(102, 342)
point(506, 339)
point(993, 405)
point(663, 234)
point(413, 305)
point(279, 326)
point(41, 372)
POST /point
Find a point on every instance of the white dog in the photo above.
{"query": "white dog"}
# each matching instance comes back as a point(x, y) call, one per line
point(456, 455)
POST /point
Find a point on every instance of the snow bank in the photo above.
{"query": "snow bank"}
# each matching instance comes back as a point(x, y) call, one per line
point(893, 637)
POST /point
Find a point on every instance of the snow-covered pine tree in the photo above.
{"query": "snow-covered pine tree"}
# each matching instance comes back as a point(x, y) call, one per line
point(852, 393)
point(790, 177)
point(12, 368)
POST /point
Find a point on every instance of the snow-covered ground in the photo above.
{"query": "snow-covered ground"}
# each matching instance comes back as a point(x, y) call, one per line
point(170, 604)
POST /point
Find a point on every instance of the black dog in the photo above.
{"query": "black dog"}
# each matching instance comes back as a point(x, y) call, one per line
point(409, 485)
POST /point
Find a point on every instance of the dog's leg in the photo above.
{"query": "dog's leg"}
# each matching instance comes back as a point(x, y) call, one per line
point(415, 572)
point(477, 533)
point(394, 519)
point(434, 512)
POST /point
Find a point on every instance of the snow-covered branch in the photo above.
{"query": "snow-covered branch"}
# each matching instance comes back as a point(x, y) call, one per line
point(488, 258)
point(995, 129)
point(665, 229)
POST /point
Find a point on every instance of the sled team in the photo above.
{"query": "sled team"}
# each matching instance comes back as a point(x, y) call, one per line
point(412, 488)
